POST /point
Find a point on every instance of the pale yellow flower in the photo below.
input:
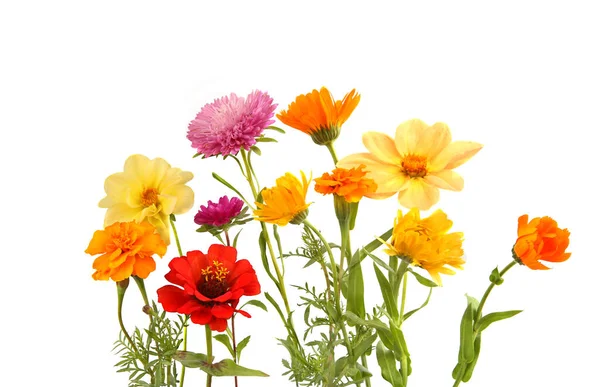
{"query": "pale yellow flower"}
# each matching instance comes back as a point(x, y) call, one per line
point(415, 164)
point(147, 190)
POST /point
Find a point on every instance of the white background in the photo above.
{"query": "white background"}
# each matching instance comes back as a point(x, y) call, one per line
point(85, 84)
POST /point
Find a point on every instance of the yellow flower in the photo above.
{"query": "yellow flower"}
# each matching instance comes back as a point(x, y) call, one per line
point(127, 249)
point(319, 115)
point(285, 203)
point(147, 190)
point(415, 164)
point(426, 243)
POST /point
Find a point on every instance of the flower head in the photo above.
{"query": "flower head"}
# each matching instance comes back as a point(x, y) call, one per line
point(208, 286)
point(349, 183)
point(319, 115)
point(285, 203)
point(219, 214)
point(426, 243)
point(147, 190)
point(127, 249)
point(540, 240)
point(416, 164)
point(231, 123)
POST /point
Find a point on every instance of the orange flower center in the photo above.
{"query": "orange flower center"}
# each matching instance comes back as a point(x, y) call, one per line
point(414, 165)
point(215, 280)
point(149, 197)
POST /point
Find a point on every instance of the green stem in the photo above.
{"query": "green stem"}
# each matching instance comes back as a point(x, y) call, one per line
point(171, 220)
point(208, 353)
point(332, 151)
point(121, 288)
point(336, 284)
point(281, 286)
point(235, 378)
point(403, 301)
point(489, 290)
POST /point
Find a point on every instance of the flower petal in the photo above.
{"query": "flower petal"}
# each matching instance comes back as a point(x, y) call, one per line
point(446, 179)
point(172, 298)
point(433, 140)
point(419, 194)
point(222, 311)
point(408, 134)
point(382, 147)
point(454, 155)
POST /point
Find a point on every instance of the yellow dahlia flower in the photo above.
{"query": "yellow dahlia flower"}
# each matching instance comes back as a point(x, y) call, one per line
point(426, 243)
point(415, 164)
point(147, 190)
point(285, 203)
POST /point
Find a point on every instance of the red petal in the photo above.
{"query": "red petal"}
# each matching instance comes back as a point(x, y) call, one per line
point(218, 324)
point(225, 254)
point(202, 316)
point(243, 313)
point(242, 266)
point(222, 311)
point(172, 297)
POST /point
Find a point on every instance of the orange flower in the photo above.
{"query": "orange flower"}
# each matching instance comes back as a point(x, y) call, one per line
point(349, 183)
point(285, 203)
point(540, 240)
point(319, 115)
point(127, 249)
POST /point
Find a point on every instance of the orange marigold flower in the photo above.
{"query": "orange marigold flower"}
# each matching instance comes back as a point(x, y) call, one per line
point(285, 203)
point(127, 249)
point(540, 240)
point(319, 115)
point(349, 183)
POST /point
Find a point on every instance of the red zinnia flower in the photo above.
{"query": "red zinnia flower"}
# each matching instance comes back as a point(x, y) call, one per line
point(212, 286)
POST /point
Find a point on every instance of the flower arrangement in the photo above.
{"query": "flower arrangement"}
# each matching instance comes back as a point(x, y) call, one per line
point(339, 341)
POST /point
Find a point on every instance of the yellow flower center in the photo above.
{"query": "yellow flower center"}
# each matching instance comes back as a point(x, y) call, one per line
point(215, 283)
point(414, 165)
point(149, 197)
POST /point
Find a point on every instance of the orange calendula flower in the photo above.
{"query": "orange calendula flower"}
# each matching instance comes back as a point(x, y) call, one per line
point(540, 240)
point(285, 203)
point(426, 243)
point(319, 115)
point(349, 183)
point(127, 249)
point(415, 164)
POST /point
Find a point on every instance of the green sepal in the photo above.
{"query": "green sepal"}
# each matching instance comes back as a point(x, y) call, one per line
point(495, 277)
point(226, 367)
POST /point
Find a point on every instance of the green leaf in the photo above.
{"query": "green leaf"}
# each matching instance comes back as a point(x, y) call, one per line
point(265, 139)
point(275, 128)
point(355, 291)
point(466, 353)
point(408, 314)
point(262, 244)
point(387, 363)
point(471, 366)
point(256, 303)
point(226, 184)
point(256, 150)
point(486, 320)
point(226, 367)
point(241, 345)
point(224, 339)
point(381, 263)
point(235, 239)
point(422, 280)
point(386, 290)
point(361, 253)
point(364, 345)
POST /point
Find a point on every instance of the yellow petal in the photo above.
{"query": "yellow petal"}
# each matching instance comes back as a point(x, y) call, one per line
point(419, 194)
point(120, 213)
point(382, 147)
point(454, 155)
point(446, 179)
point(433, 140)
point(408, 134)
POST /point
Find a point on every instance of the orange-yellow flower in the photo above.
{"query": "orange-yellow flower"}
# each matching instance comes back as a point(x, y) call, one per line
point(426, 243)
point(285, 203)
point(319, 115)
point(127, 249)
point(415, 164)
point(349, 183)
point(540, 240)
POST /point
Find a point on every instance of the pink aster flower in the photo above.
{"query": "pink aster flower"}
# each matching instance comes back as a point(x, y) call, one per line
point(231, 123)
point(219, 214)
